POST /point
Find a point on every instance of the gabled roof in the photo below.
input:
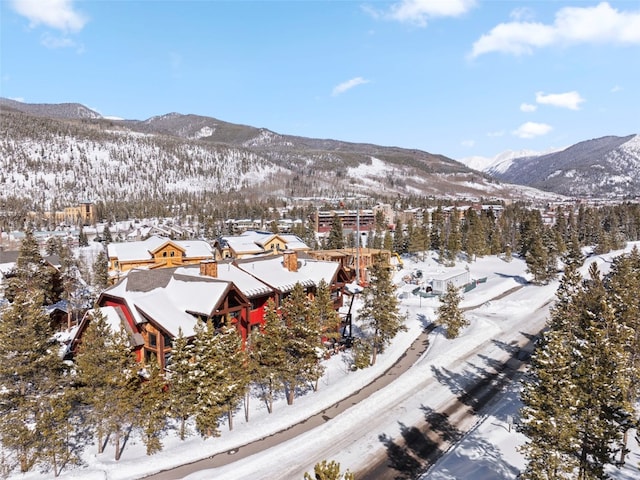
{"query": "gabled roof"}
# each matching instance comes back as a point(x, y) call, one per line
point(169, 298)
point(250, 286)
point(254, 241)
point(131, 251)
point(271, 270)
point(163, 245)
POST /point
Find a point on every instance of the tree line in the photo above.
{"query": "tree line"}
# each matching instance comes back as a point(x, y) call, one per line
point(580, 395)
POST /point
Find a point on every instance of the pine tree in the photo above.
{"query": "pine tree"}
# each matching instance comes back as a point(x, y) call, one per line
point(31, 375)
point(82, 238)
point(328, 471)
point(302, 342)
point(182, 388)
point(229, 357)
point(575, 407)
point(453, 242)
point(31, 272)
point(547, 392)
point(268, 355)
point(537, 260)
point(328, 318)
point(106, 234)
point(623, 285)
point(209, 380)
point(101, 271)
point(437, 230)
point(449, 314)
point(108, 381)
point(153, 406)
point(335, 239)
point(380, 312)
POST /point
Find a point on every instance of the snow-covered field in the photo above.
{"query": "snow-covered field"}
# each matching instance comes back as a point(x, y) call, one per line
point(375, 425)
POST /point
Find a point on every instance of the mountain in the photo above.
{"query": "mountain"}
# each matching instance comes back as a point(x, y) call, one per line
point(500, 162)
point(60, 110)
point(56, 155)
point(604, 167)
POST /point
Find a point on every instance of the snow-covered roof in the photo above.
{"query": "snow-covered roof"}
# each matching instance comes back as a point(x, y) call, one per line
point(247, 284)
point(129, 251)
point(253, 241)
point(166, 297)
point(242, 244)
point(271, 270)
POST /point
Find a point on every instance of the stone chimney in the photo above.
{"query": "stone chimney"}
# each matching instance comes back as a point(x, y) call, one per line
point(209, 268)
point(290, 260)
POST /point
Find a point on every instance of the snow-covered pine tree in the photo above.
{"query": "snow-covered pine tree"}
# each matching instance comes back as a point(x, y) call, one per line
point(268, 355)
point(449, 314)
point(547, 392)
point(623, 285)
point(108, 381)
point(182, 389)
point(31, 272)
point(574, 398)
point(327, 317)
point(101, 271)
point(380, 313)
point(33, 384)
point(228, 355)
point(209, 380)
point(154, 406)
point(302, 342)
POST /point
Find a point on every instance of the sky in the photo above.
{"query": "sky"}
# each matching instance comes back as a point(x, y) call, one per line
point(352, 438)
point(455, 77)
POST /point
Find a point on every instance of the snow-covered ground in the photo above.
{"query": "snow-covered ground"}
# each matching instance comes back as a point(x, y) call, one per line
point(379, 422)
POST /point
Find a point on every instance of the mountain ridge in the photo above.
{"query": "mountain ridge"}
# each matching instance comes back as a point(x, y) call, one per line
point(60, 153)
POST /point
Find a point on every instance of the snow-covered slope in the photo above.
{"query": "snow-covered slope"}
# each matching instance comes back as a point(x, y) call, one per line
point(602, 167)
point(48, 161)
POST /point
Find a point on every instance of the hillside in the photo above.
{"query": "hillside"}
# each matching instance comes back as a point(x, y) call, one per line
point(61, 154)
point(604, 167)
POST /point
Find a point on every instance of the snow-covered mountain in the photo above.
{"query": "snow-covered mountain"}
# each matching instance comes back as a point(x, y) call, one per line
point(605, 167)
point(501, 162)
point(56, 155)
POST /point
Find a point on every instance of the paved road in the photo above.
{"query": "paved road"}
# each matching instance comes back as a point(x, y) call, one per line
point(417, 348)
point(409, 358)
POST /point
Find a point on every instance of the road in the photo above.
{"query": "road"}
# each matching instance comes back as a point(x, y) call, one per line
point(427, 436)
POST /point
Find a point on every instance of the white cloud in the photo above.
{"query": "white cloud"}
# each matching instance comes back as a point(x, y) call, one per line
point(53, 41)
point(572, 25)
point(570, 100)
point(522, 13)
point(616, 89)
point(419, 11)
point(527, 107)
point(468, 143)
point(348, 85)
point(532, 130)
point(18, 99)
point(499, 133)
point(58, 14)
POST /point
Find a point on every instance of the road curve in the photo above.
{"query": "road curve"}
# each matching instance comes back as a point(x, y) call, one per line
point(402, 364)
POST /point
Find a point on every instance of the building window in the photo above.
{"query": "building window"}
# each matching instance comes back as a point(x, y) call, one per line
point(153, 340)
point(172, 253)
point(164, 254)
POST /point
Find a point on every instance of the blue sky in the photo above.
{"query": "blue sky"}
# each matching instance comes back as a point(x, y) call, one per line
point(456, 77)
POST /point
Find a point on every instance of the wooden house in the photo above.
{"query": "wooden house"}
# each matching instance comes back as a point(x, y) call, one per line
point(155, 252)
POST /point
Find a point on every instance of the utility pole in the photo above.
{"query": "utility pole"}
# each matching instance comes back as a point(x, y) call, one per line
point(358, 242)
